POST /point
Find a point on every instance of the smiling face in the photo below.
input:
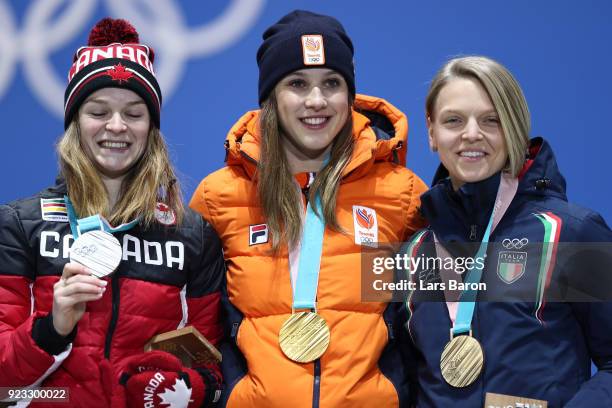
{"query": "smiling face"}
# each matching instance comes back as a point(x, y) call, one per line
point(114, 126)
point(465, 130)
point(313, 107)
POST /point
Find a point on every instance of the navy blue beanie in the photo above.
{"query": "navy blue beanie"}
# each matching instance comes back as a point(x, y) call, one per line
point(303, 39)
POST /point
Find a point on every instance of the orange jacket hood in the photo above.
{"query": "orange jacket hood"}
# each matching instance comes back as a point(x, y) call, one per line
point(380, 131)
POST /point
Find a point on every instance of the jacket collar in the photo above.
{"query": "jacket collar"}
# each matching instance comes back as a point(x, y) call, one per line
point(454, 215)
point(462, 215)
point(58, 189)
point(380, 131)
point(540, 175)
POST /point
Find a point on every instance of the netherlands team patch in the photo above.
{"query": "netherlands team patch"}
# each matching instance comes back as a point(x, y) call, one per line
point(258, 234)
point(366, 226)
point(511, 265)
point(313, 49)
point(53, 209)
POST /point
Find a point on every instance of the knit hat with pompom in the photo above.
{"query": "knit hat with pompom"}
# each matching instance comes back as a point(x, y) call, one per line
point(113, 58)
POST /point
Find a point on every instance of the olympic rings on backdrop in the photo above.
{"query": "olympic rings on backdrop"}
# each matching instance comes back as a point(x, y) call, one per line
point(163, 26)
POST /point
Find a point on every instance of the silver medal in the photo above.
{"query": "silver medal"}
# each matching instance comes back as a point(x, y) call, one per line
point(97, 250)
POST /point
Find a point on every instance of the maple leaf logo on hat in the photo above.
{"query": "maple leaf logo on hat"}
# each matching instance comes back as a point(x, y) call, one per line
point(118, 73)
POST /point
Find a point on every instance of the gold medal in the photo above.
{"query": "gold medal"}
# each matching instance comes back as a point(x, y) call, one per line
point(304, 337)
point(461, 361)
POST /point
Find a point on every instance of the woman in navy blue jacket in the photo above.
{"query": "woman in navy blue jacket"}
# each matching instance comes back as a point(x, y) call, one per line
point(536, 314)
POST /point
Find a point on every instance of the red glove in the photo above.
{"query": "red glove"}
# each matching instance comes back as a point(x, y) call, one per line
point(159, 379)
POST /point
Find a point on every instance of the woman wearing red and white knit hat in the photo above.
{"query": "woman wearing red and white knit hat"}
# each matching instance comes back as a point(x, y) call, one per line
point(63, 324)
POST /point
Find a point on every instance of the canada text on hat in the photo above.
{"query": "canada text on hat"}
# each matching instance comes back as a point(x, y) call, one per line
point(137, 53)
point(113, 57)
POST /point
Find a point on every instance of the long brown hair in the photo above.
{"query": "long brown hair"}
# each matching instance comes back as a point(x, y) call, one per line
point(278, 192)
point(152, 179)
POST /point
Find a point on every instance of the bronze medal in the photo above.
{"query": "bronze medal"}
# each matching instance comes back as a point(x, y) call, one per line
point(462, 361)
point(304, 337)
point(97, 250)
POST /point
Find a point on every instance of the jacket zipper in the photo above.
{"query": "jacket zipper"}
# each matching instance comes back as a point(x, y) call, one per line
point(234, 332)
point(473, 232)
point(249, 158)
point(316, 389)
point(114, 316)
point(316, 392)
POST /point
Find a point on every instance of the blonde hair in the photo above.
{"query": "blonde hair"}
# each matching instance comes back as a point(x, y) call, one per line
point(505, 93)
point(278, 193)
point(151, 180)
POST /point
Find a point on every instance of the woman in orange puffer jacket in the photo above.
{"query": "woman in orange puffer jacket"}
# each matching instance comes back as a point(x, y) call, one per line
point(312, 179)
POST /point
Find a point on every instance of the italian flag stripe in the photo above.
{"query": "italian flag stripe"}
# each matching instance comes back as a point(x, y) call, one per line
point(510, 270)
point(552, 230)
point(412, 249)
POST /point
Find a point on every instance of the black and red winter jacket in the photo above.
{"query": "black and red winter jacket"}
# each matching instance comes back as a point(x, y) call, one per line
point(169, 277)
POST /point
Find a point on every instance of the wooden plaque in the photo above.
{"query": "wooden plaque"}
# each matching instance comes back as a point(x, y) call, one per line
point(508, 401)
point(188, 344)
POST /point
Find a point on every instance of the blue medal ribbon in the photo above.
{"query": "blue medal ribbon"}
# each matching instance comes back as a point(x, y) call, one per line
point(465, 310)
point(305, 291)
point(92, 223)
